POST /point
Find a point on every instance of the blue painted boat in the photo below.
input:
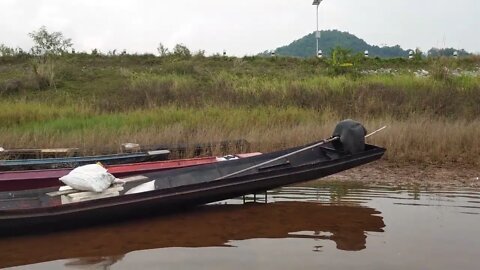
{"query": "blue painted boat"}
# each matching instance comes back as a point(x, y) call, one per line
point(72, 162)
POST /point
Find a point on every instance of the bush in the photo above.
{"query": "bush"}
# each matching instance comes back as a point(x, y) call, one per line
point(181, 50)
point(44, 74)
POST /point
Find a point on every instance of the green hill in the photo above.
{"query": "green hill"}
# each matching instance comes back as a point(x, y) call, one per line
point(306, 46)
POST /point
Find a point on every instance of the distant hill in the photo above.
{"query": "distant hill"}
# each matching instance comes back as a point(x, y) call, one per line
point(306, 46)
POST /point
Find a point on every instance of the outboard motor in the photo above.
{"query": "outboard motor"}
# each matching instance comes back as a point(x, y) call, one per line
point(352, 136)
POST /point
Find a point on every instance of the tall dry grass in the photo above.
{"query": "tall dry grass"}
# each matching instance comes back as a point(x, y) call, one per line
point(417, 139)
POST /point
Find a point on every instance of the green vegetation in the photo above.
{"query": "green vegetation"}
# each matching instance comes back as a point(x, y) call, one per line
point(95, 101)
point(124, 83)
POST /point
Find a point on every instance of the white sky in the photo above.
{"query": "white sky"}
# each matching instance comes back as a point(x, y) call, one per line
point(243, 27)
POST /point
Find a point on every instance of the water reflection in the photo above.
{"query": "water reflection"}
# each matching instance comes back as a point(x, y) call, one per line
point(208, 226)
point(93, 262)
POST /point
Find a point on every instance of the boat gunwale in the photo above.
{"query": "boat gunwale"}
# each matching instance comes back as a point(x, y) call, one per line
point(18, 162)
point(21, 172)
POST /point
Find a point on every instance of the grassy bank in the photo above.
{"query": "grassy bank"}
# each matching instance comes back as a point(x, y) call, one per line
point(112, 84)
point(96, 102)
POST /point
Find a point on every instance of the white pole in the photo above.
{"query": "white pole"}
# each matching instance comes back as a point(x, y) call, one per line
point(316, 34)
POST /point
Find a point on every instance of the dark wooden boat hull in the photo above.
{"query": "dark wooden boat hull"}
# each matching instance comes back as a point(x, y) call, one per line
point(31, 179)
point(72, 162)
point(178, 196)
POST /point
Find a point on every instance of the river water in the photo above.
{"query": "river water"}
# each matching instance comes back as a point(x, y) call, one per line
point(316, 226)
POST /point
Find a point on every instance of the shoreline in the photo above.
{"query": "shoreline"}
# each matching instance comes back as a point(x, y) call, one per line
point(383, 172)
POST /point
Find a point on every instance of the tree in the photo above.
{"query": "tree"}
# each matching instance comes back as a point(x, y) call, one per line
point(181, 50)
point(341, 55)
point(435, 52)
point(46, 43)
point(418, 54)
point(162, 50)
point(6, 51)
point(45, 46)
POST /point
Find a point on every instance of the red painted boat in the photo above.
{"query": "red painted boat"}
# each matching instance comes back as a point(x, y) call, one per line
point(20, 180)
point(31, 179)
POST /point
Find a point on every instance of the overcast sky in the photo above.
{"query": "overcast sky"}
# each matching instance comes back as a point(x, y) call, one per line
point(244, 27)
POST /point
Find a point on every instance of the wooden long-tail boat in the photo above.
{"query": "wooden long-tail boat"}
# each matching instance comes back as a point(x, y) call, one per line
point(49, 209)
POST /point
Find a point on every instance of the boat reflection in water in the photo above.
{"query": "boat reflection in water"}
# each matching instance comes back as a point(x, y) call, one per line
point(93, 262)
point(206, 226)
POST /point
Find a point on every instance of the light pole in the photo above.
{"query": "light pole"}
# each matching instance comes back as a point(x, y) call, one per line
point(317, 33)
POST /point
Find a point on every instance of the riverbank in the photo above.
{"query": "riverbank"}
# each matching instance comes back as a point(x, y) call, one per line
point(409, 175)
point(97, 102)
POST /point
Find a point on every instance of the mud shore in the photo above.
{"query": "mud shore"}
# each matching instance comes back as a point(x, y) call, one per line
point(409, 174)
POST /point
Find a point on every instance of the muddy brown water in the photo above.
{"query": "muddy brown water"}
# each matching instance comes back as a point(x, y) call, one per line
point(335, 226)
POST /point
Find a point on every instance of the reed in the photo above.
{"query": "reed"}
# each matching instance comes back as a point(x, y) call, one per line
point(417, 139)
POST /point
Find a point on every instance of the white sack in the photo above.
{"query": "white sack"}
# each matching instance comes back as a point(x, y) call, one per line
point(91, 177)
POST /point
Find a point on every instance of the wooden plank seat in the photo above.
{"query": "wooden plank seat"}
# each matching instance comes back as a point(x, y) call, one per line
point(79, 196)
point(71, 195)
point(58, 152)
point(38, 153)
